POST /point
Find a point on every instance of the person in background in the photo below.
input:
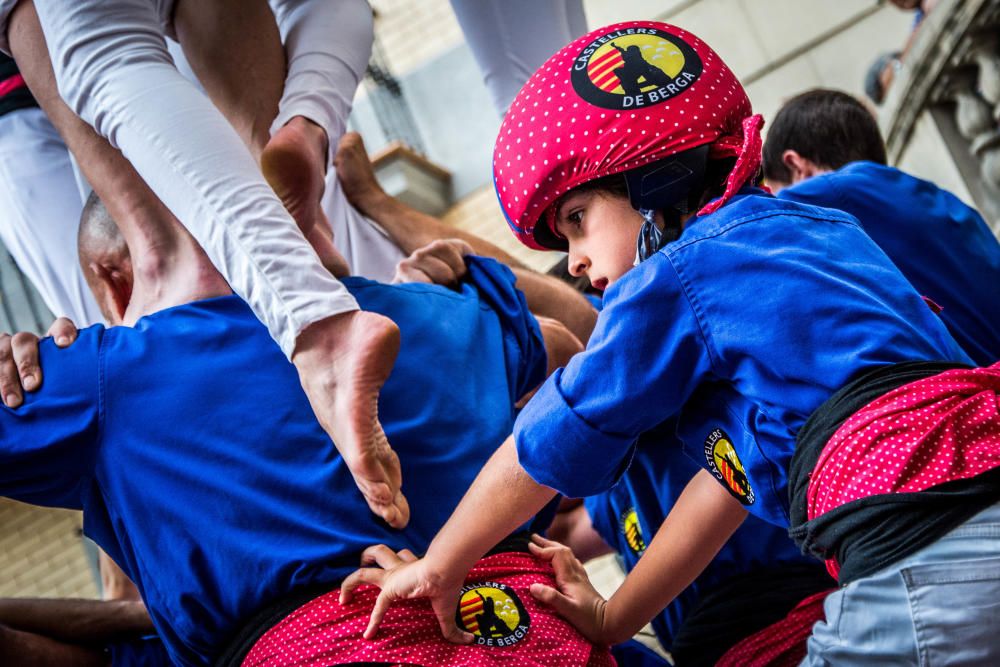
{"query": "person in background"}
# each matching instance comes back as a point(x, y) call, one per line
point(824, 148)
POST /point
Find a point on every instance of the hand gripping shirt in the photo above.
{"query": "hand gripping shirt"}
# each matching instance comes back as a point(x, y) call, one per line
point(941, 245)
point(739, 329)
point(193, 452)
point(629, 514)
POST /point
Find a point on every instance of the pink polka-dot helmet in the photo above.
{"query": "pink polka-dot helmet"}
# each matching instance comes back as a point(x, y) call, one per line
point(618, 99)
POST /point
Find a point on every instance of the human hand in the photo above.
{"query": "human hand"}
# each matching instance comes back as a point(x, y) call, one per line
point(19, 367)
point(575, 598)
point(440, 262)
point(343, 361)
point(401, 576)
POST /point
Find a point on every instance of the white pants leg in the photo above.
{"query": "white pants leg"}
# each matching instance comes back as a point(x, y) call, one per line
point(40, 213)
point(112, 68)
point(328, 45)
point(510, 39)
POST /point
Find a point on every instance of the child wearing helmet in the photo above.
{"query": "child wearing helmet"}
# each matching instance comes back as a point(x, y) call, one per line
point(807, 378)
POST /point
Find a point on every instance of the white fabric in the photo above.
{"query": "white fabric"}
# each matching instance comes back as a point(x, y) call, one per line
point(365, 245)
point(112, 68)
point(328, 45)
point(510, 39)
point(39, 212)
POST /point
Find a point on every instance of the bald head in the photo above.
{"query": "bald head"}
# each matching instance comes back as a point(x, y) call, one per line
point(99, 237)
point(104, 258)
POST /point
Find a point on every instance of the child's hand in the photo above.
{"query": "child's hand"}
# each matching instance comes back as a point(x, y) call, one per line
point(576, 600)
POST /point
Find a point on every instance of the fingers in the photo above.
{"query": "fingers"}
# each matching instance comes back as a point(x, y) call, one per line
point(437, 268)
point(408, 272)
point(367, 575)
point(10, 386)
point(24, 347)
point(551, 597)
point(444, 608)
point(406, 556)
point(452, 252)
point(382, 556)
point(63, 332)
point(382, 604)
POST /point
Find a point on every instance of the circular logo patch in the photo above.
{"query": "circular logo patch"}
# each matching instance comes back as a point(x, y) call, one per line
point(725, 464)
point(493, 613)
point(634, 68)
point(632, 531)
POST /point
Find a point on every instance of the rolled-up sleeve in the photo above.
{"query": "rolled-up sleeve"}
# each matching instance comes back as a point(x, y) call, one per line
point(644, 360)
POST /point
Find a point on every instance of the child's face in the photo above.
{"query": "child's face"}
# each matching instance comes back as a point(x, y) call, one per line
point(601, 229)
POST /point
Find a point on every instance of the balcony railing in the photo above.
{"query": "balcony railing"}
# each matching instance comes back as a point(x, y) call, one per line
point(952, 71)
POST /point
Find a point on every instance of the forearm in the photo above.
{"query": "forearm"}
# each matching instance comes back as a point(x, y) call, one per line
point(466, 537)
point(703, 519)
point(77, 621)
point(549, 296)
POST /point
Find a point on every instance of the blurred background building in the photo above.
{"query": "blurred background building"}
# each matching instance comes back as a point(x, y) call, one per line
point(424, 90)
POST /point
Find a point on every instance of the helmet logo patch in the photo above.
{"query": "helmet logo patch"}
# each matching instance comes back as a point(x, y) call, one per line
point(493, 613)
point(634, 68)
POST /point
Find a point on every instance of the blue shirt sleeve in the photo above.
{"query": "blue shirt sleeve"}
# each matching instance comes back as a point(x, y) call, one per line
point(644, 359)
point(47, 446)
point(496, 286)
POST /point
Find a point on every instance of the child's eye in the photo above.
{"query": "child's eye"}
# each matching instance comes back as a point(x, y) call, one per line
point(576, 217)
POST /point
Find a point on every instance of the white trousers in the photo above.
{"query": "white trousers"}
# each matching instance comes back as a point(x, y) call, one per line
point(510, 39)
point(40, 205)
point(112, 68)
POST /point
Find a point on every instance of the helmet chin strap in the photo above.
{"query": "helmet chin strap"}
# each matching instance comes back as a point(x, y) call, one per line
point(651, 238)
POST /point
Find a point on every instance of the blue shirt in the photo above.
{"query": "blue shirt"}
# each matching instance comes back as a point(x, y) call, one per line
point(195, 456)
point(941, 245)
point(628, 516)
point(739, 329)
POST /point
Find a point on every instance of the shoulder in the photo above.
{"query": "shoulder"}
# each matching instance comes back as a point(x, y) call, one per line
point(751, 213)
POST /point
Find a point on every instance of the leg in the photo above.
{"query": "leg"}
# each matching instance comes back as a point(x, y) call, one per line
point(117, 80)
point(327, 45)
point(410, 229)
point(234, 49)
point(40, 207)
point(939, 606)
point(510, 39)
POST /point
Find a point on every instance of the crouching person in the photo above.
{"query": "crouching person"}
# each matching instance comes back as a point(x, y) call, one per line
point(190, 446)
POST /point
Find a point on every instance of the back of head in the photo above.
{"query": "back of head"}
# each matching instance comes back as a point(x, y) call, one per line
point(827, 127)
point(98, 237)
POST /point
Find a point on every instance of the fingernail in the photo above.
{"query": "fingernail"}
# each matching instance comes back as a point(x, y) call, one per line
point(12, 400)
point(62, 341)
point(29, 381)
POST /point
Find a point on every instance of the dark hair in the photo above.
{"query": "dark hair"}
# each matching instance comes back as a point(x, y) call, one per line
point(828, 127)
point(714, 184)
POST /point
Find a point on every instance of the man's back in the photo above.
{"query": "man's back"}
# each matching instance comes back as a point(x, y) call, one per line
point(203, 472)
point(941, 245)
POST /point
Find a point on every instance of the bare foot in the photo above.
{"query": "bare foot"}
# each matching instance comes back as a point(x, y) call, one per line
point(294, 164)
point(357, 176)
point(343, 361)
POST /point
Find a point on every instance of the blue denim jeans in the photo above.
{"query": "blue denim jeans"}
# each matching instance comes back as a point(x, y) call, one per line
point(940, 606)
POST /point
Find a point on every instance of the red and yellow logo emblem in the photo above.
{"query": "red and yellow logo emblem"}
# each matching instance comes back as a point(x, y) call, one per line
point(725, 464)
point(633, 68)
point(493, 613)
point(632, 531)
